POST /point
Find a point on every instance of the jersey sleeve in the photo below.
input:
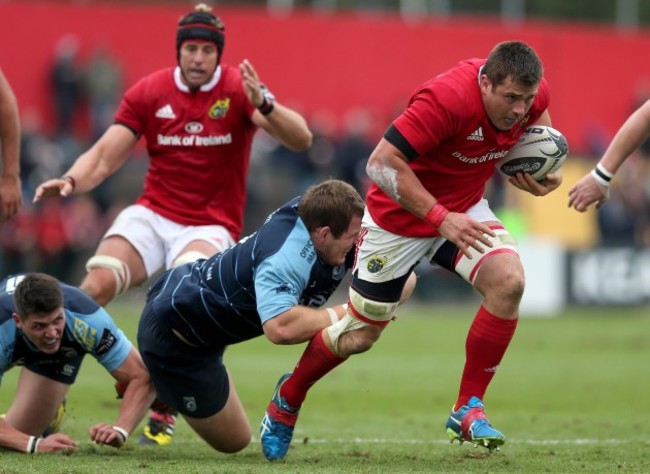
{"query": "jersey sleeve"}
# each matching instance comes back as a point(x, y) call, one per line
point(100, 337)
point(428, 119)
point(279, 284)
point(130, 111)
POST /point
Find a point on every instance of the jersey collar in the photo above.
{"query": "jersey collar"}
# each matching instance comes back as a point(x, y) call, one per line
point(205, 87)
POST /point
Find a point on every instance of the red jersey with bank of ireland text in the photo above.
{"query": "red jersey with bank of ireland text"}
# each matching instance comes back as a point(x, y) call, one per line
point(446, 124)
point(199, 146)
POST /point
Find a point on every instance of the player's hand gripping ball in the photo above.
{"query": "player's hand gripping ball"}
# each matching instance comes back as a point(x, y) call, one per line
point(539, 151)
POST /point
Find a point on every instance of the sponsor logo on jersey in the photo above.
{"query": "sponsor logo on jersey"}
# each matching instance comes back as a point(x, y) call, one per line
point(476, 135)
point(489, 156)
point(84, 334)
point(166, 112)
point(219, 109)
point(107, 341)
point(376, 263)
point(194, 127)
point(194, 140)
point(286, 288)
point(308, 252)
point(68, 370)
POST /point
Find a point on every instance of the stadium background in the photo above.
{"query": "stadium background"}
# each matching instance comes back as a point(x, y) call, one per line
point(350, 68)
point(571, 393)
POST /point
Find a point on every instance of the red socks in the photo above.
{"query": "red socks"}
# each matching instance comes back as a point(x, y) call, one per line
point(315, 362)
point(487, 341)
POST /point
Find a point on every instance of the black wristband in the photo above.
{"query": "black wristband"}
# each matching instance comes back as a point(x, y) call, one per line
point(266, 107)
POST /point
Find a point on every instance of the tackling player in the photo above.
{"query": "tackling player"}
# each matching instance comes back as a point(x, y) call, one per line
point(271, 283)
point(426, 202)
point(198, 120)
point(47, 327)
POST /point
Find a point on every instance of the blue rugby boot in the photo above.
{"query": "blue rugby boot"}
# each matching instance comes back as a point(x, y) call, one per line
point(469, 423)
point(276, 429)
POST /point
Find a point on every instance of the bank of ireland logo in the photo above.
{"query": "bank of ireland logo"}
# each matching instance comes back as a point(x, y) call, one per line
point(376, 263)
point(190, 403)
point(219, 109)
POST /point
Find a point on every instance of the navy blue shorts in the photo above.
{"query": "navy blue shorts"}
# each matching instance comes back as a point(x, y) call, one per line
point(192, 380)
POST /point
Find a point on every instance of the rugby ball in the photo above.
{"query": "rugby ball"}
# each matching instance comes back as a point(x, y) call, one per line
point(539, 151)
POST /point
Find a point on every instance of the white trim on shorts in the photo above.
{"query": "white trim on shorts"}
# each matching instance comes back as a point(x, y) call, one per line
point(159, 240)
point(383, 256)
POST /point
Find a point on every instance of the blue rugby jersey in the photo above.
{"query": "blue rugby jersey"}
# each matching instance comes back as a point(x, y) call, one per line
point(89, 329)
point(225, 299)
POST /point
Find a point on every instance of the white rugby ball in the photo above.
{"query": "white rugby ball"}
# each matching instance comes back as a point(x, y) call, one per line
point(539, 151)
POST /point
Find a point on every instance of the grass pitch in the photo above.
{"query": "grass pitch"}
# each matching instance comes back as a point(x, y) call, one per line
point(571, 395)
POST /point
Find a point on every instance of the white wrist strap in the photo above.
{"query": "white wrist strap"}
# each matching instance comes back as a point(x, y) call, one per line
point(601, 175)
point(122, 431)
point(32, 444)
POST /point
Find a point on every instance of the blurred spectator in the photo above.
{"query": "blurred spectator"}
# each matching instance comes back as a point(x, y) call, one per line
point(103, 88)
point(354, 148)
point(40, 157)
point(51, 239)
point(65, 79)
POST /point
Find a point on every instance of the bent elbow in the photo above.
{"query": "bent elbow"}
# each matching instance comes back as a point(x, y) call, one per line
point(275, 332)
point(302, 142)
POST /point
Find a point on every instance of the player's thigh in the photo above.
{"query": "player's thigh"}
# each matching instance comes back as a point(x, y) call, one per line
point(228, 430)
point(35, 403)
point(383, 256)
point(196, 241)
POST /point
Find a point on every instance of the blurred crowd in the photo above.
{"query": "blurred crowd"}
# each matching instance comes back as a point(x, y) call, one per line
point(59, 235)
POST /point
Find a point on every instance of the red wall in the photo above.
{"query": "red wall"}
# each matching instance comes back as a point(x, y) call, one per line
point(336, 62)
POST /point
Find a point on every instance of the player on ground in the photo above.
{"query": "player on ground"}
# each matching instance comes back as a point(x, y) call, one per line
point(272, 282)
point(11, 197)
point(426, 202)
point(48, 327)
point(198, 120)
point(594, 186)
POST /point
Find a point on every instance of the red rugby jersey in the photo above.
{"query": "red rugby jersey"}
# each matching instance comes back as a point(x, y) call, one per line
point(458, 148)
point(199, 146)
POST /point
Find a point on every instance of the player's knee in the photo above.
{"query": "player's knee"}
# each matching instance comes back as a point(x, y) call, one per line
point(100, 289)
point(512, 284)
point(357, 342)
point(235, 441)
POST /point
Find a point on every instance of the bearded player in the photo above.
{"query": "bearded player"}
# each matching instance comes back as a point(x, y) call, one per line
point(426, 202)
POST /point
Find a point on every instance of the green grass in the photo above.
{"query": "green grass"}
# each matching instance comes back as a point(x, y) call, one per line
point(571, 395)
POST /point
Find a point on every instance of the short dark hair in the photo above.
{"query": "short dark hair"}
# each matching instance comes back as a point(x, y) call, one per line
point(514, 59)
point(332, 203)
point(37, 293)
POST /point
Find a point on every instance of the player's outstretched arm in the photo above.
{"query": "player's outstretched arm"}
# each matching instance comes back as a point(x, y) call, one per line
point(138, 397)
point(282, 123)
point(105, 157)
point(301, 323)
point(11, 438)
point(10, 190)
point(594, 187)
